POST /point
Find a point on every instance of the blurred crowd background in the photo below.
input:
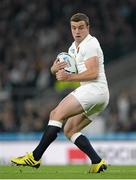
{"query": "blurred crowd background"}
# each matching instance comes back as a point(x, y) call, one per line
point(33, 32)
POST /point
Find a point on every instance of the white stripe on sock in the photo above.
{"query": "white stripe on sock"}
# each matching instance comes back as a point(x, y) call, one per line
point(55, 123)
point(75, 136)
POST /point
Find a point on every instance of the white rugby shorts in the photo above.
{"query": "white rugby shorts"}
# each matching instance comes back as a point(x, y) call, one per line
point(93, 98)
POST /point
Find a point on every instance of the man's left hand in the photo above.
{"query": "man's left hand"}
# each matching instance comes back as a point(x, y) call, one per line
point(62, 75)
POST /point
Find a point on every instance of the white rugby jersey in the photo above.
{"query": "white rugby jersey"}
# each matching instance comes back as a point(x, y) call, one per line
point(88, 48)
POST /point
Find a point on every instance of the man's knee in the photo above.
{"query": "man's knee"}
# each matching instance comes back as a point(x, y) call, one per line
point(52, 113)
point(57, 115)
point(69, 131)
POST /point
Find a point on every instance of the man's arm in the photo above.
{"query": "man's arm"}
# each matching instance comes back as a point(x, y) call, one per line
point(92, 66)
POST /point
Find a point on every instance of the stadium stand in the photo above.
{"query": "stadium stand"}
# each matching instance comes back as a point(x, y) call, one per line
point(33, 32)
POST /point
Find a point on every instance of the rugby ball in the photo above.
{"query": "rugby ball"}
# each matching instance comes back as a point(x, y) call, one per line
point(71, 63)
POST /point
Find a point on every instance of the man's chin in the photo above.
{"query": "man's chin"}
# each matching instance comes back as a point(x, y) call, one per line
point(78, 39)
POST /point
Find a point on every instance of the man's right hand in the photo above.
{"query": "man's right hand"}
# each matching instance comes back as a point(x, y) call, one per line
point(57, 66)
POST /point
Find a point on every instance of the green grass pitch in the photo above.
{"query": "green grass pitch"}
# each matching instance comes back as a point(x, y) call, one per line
point(66, 172)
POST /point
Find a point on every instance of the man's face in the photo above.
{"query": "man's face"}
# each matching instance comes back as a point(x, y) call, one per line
point(79, 30)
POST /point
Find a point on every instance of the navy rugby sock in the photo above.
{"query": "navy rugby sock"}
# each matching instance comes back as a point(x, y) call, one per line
point(48, 137)
point(83, 144)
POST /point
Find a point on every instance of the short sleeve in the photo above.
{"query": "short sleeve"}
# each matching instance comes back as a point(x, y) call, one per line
point(91, 49)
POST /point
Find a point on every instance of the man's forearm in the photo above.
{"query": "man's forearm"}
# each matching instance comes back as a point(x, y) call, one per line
point(84, 76)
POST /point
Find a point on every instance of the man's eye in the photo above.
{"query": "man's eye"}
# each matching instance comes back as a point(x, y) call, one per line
point(81, 28)
point(74, 28)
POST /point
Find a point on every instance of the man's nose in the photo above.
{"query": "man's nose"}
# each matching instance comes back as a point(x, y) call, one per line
point(77, 30)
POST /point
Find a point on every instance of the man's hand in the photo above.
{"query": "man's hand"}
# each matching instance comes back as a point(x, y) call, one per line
point(62, 75)
point(58, 66)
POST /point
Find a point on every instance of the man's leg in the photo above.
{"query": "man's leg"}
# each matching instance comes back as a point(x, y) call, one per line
point(48, 137)
point(68, 107)
point(72, 130)
point(33, 159)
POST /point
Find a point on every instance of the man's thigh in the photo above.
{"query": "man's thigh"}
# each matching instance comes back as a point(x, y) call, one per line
point(67, 108)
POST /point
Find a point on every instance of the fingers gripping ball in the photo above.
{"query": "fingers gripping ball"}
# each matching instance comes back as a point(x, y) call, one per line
point(71, 63)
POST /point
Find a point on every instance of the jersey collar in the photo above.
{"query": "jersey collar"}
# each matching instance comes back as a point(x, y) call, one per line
point(82, 42)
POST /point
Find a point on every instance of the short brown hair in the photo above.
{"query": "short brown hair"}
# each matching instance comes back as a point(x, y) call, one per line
point(80, 17)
